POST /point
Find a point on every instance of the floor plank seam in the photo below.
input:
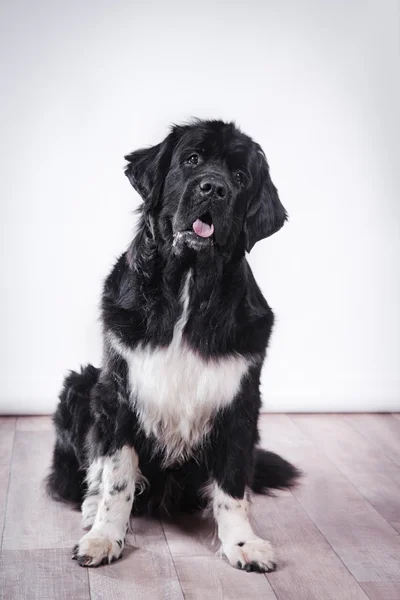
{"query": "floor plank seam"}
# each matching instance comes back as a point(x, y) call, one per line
point(275, 593)
point(330, 546)
point(347, 479)
point(89, 588)
point(8, 484)
point(366, 593)
point(172, 558)
point(372, 442)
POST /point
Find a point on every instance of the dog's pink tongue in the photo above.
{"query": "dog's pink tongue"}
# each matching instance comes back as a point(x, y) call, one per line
point(203, 229)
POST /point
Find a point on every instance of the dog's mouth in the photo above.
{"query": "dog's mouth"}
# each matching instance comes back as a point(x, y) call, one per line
point(203, 226)
point(198, 236)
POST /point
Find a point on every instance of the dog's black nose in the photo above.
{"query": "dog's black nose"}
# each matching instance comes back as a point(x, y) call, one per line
point(212, 186)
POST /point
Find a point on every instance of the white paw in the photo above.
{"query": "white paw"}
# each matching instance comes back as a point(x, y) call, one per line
point(96, 548)
point(253, 555)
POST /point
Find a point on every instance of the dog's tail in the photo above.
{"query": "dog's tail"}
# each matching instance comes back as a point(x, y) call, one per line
point(271, 471)
point(72, 420)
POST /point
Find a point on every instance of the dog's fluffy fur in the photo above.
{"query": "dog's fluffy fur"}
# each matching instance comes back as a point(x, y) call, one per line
point(173, 410)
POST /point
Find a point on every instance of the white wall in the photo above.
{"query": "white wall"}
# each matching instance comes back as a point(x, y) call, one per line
point(315, 82)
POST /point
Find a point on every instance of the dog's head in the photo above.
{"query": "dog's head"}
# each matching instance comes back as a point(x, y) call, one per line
point(207, 185)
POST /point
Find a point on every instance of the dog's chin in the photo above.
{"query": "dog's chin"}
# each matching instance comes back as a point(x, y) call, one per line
point(184, 240)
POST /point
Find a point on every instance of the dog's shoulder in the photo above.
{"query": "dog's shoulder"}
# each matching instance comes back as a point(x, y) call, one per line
point(254, 301)
point(254, 316)
point(122, 304)
point(117, 280)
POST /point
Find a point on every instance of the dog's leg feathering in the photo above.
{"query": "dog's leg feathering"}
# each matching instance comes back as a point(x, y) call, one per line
point(94, 492)
point(104, 543)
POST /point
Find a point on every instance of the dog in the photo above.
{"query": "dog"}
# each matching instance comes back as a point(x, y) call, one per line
point(169, 421)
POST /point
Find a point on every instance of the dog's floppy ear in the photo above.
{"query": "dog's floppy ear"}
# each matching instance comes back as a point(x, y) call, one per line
point(265, 214)
point(148, 167)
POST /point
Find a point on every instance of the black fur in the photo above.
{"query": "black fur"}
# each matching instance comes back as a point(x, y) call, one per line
point(272, 472)
point(71, 420)
point(228, 315)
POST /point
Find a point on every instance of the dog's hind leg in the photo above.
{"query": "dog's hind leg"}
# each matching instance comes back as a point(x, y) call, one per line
point(72, 420)
point(105, 541)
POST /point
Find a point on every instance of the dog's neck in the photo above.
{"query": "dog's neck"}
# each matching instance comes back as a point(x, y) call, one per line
point(155, 266)
point(149, 283)
point(150, 245)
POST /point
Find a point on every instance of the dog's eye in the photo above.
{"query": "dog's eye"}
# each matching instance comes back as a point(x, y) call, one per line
point(238, 177)
point(193, 159)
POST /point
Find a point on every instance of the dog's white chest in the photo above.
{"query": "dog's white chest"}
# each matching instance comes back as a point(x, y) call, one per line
point(176, 393)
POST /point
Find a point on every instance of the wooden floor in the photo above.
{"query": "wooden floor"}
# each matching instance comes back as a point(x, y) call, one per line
point(336, 536)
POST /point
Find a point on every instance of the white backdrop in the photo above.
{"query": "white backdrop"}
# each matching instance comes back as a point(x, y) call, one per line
point(315, 82)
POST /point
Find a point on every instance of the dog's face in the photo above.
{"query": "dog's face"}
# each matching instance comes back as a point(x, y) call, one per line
point(207, 185)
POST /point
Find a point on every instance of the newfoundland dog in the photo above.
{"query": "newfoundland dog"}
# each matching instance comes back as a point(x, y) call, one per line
point(169, 420)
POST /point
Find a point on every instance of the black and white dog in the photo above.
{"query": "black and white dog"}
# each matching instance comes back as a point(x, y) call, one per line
point(169, 421)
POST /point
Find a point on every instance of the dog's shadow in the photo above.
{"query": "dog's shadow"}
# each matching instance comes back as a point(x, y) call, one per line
point(188, 534)
point(194, 531)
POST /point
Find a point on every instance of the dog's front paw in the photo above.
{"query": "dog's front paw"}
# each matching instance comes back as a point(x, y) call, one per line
point(253, 555)
point(96, 548)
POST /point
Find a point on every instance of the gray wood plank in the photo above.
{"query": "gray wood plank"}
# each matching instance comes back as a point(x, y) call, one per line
point(302, 554)
point(361, 537)
point(370, 470)
point(7, 433)
point(202, 571)
point(7, 421)
point(34, 423)
point(146, 569)
point(325, 518)
point(381, 429)
point(307, 566)
point(191, 535)
point(7, 429)
point(207, 578)
point(382, 590)
point(42, 575)
point(33, 520)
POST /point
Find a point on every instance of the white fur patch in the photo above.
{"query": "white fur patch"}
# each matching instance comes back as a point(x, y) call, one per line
point(106, 540)
point(176, 392)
